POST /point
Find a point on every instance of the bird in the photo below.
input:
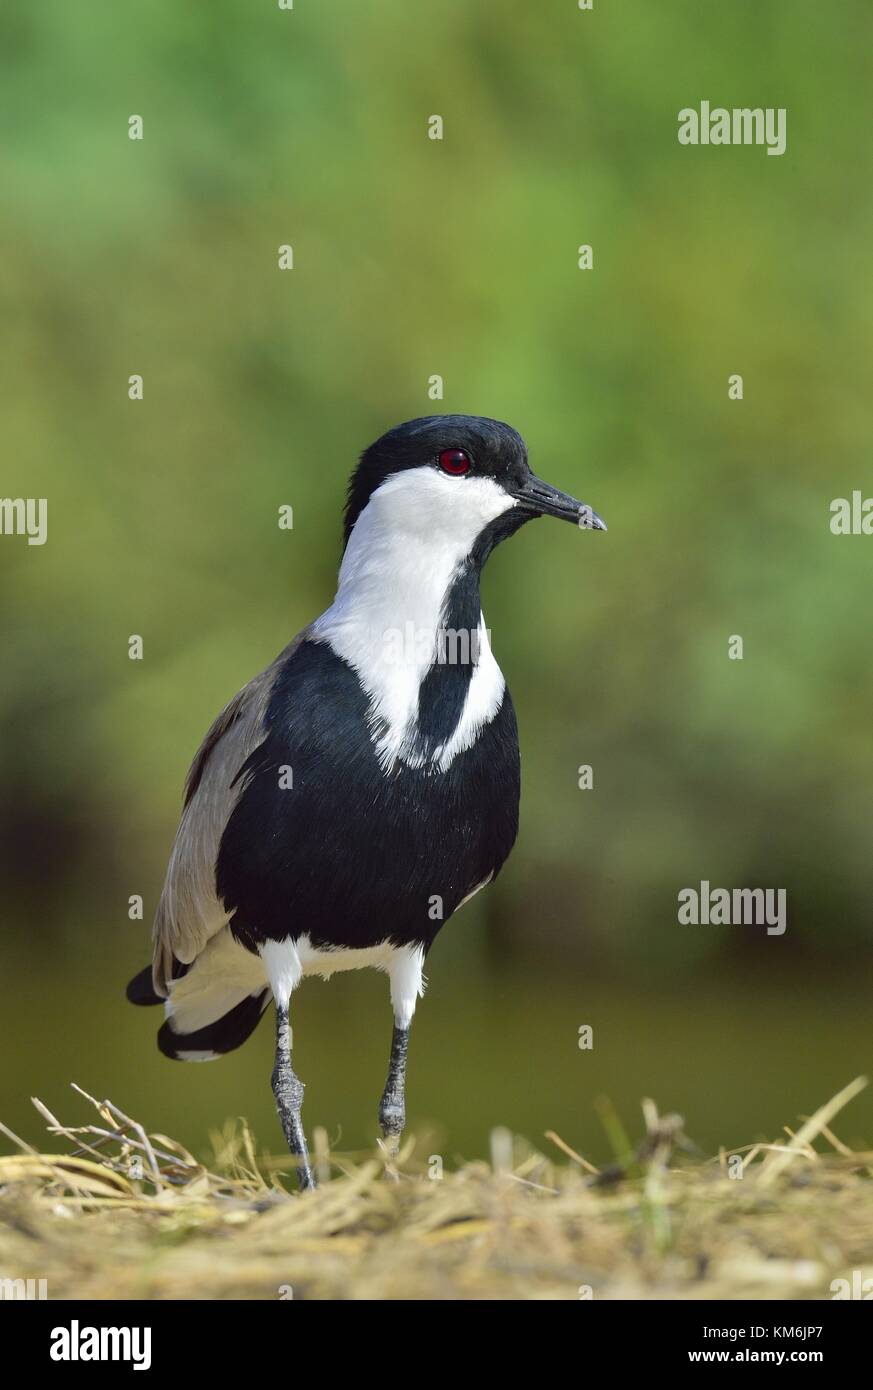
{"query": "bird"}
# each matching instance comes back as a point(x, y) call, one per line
point(354, 795)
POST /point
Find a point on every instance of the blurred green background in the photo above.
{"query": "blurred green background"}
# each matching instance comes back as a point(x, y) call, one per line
point(414, 257)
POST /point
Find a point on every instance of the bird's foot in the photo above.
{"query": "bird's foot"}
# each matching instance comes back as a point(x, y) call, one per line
point(288, 1090)
point(305, 1175)
point(392, 1118)
point(389, 1148)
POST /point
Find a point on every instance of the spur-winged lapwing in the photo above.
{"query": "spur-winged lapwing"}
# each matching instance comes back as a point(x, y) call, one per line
point(355, 794)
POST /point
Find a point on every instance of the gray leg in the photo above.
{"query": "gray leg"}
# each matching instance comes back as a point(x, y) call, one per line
point(288, 1090)
point(392, 1110)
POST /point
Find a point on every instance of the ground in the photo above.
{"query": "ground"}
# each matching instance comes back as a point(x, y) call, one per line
point(124, 1215)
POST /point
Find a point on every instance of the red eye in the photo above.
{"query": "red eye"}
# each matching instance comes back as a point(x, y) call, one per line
point(454, 462)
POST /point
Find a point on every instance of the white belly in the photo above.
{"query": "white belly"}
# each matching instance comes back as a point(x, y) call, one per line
point(287, 962)
point(326, 961)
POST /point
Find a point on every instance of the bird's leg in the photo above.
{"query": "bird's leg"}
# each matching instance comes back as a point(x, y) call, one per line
point(392, 1109)
point(288, 1090)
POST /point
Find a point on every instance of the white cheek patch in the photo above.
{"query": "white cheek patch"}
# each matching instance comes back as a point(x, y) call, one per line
point(426, 505)
point(404, 551)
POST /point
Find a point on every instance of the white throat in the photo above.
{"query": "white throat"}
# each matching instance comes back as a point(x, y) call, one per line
point(406, 548)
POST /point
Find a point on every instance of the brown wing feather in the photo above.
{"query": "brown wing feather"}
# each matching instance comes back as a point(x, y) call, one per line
point(232, 711)
point(190, 911)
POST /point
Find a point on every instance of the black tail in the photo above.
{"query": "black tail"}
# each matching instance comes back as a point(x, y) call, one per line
point(227, 1027)
point(225, 1034)
point(141, 990)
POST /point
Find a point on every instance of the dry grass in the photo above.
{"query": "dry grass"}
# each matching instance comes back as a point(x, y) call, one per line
point(659, 1223)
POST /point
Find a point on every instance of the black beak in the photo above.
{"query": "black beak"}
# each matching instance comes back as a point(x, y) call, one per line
point(541, 499)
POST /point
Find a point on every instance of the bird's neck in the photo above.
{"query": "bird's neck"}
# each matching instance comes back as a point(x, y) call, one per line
point(407, 618)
